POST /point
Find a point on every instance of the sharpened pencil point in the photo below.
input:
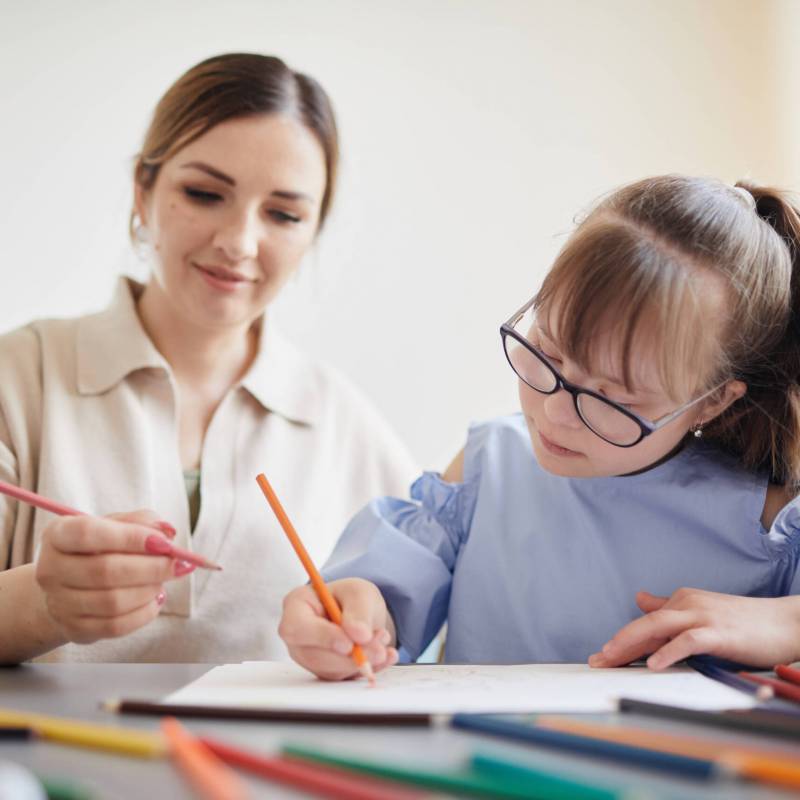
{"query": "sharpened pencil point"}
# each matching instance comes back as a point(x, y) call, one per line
point(366, 670)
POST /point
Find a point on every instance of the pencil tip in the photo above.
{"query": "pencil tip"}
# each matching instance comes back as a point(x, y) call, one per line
point(366, 670)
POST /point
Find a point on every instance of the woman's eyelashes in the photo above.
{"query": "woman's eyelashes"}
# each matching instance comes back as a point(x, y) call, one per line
point(201, 196)
point(207, 198)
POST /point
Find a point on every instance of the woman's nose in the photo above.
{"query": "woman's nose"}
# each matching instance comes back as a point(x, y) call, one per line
point(239, 238)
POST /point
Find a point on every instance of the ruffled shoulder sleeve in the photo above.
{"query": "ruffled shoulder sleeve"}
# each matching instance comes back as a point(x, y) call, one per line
point(782, 541)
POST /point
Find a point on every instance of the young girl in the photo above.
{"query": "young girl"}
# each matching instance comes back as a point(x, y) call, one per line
point(180, 392)
point(657, 448)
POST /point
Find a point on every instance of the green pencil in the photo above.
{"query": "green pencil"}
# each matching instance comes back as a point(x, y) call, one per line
point(61, 790)
point(541, 787)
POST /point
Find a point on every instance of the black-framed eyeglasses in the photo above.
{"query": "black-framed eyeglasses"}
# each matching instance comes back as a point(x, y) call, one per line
point(612, 422)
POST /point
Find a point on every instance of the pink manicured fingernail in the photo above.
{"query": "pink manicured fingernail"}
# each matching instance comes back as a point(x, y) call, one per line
point(161, 598)
point(157, 545)
point(183, 568)
point(165, 528)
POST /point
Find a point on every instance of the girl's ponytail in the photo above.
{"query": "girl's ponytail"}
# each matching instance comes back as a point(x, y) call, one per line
point(770, 437)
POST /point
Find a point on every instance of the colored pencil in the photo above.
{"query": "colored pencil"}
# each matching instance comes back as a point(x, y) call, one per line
point(458, 782)
point(211, 778)
point(791, 674)
point(88, 734)
point(718, 673)
point(149, 708)
point(61, 790)
point(15, 732)
point(752, 763)
point(503, 769)
point(776, 724)
point(36, 500)
point(782, 688)
point(687, 766)
point(323, 592)
point(320, 781)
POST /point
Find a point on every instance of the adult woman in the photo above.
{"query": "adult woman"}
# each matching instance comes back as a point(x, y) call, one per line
point(234, 181)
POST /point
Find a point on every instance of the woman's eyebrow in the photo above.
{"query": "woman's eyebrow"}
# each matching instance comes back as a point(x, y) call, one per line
point(209, 170)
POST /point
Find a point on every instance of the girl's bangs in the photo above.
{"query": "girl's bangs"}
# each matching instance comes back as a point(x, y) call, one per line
point(614, 285)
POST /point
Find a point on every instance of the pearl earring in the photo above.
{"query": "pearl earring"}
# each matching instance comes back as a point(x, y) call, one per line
point(698, 431)
point(141, 234)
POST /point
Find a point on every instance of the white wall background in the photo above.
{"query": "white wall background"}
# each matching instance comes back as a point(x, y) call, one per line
point(473, 131)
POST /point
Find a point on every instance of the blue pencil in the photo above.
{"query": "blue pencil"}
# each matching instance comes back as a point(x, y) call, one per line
point(698, 768)
point(717, 673)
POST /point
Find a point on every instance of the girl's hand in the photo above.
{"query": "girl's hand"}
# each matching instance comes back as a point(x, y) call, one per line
point(757, 631)
point(96, 576)
point(323, 647)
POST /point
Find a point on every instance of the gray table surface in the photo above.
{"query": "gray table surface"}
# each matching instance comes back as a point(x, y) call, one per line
point(76, 690)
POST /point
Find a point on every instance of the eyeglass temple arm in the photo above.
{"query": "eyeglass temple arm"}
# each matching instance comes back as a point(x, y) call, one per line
point(661, 421)
point(517, 315)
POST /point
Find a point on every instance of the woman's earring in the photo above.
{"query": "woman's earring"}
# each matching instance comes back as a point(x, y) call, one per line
point(698, 431)
point(141, 234)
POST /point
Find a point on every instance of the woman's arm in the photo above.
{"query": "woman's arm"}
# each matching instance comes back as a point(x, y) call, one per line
point(26, 628)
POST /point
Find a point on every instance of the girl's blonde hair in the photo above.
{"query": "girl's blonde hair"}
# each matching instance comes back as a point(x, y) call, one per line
point(638, 266)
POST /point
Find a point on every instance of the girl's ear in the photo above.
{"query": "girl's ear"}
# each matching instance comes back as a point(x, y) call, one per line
point(729, 394)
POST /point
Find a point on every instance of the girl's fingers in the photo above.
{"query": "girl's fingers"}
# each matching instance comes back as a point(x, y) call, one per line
point(105, 603)
point(649, 602)
point(691, 642)
point(633, 641)
point(302, 626)
point(106, 571)
point(324, 663)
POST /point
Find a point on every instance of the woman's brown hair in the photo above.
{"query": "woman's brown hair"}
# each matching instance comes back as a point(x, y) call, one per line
point(639, 266)
point(236, 85)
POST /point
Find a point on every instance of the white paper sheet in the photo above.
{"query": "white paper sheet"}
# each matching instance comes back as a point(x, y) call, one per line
point(447, 689)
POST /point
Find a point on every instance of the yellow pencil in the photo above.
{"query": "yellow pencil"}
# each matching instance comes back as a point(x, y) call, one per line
point(89, 734)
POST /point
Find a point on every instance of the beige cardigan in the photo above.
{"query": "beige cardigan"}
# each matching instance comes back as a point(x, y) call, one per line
point(87, 417)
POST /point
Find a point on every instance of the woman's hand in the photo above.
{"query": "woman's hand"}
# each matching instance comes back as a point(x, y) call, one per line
point(96, 575)
point(757, 631)
point(323, 647)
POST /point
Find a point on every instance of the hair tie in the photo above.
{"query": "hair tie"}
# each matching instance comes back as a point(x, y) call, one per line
point(746, 195)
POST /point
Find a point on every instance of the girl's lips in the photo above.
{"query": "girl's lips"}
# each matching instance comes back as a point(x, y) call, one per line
point(556, 449)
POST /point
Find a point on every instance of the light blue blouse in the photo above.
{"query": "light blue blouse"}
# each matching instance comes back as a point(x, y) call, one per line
point(526, 566)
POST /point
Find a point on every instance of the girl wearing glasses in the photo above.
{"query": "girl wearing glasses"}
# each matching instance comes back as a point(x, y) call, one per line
point(657, 448)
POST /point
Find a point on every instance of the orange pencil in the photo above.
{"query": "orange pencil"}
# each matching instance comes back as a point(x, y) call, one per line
point(323, 592)
point(211, 777)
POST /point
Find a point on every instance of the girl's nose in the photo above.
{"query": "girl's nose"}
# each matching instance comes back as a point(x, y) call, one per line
point(560, 410)
point(239, 238)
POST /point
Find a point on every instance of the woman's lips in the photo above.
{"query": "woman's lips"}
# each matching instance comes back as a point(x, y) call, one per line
point(221, 277)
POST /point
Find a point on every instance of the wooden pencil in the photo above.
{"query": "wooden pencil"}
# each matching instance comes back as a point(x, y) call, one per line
point(211, 778)
point(791, 674)
point(321, 781)
point(150, 708)
point(323, 592)
point(88, 734)
point(781, 688)
point(38, 501)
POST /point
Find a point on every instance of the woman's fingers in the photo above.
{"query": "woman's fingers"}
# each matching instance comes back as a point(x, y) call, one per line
point(89, 535)
point(105, 603)
point(104, 571)
point(88, 629)
point(650, 602)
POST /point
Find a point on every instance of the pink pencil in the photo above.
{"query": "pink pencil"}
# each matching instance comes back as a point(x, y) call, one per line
point(33, 499)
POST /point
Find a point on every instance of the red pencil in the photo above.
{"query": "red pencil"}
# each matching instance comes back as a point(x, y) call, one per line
point(33, 499)
point(781, 688)
point(791, 674)
point(321, 781)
